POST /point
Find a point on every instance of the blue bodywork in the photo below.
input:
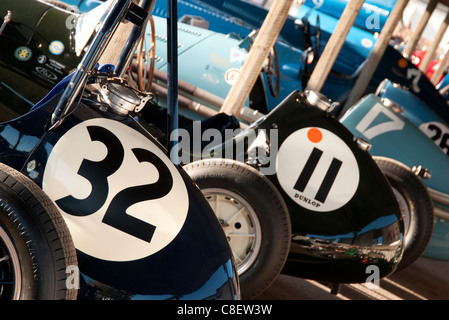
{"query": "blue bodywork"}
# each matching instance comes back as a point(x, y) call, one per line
point(210, 272)
point(202, 65)
point(223, 46)
point(237, 18)
point(83, 5)
point(196, 262)
point(361, 37)
point(433, 121)
point(413, 134)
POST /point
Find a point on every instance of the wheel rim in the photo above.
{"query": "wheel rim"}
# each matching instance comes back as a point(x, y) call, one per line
point(10, 274)
point(240, 225)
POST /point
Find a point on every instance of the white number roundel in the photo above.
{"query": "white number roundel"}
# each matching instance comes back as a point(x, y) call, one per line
point(119, 194)
point(317, 169)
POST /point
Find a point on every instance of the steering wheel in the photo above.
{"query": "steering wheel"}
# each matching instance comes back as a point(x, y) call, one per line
point(317, 38)
point(146, 57)
point(307, 37)
point(271, 67)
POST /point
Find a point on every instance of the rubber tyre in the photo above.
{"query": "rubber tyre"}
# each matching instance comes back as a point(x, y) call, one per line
point(415, 201)
point(249, 185)
point(35, 241)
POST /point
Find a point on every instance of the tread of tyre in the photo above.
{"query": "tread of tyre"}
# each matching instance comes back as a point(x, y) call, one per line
point(413, 189)
point(37, 227)
point(266, 200)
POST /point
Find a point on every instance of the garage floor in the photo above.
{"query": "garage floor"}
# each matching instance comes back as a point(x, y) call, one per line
point(425, 279)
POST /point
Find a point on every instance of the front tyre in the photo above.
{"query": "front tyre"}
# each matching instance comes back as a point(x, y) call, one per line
point(36, 248)
point(254, 218)
point(416, 207)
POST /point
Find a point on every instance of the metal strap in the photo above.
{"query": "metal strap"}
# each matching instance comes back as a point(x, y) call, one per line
point(6, 20)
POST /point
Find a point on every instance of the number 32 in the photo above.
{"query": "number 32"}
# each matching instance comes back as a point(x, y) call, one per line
point(97, 172)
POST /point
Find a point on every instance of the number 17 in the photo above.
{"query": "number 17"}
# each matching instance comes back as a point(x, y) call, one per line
point(394, 122)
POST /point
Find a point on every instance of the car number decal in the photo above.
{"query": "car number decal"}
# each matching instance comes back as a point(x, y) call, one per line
point(317, 169)
point(414, 75)
point(379, 120)
point(232, 75)
point(438, 133)
point(119, 193)
point(23, 53)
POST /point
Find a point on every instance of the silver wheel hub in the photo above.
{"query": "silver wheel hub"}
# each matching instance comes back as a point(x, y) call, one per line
point(240, 225)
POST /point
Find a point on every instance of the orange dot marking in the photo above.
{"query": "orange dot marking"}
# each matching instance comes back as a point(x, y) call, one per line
point(402, 63)
point(314, 135)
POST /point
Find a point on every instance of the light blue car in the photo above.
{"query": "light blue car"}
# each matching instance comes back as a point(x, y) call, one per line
point(361, 37)
point(302, 38)
point(401, 126)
